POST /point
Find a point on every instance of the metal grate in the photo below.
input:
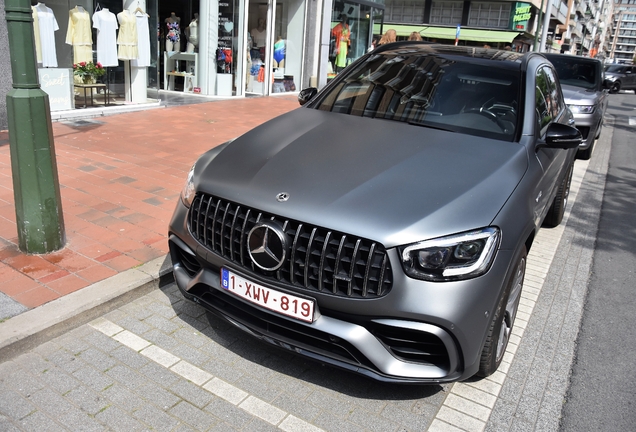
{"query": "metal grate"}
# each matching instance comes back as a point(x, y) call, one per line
point(318, 259)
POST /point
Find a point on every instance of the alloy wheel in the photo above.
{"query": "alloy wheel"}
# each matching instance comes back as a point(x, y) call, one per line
point(511, 309)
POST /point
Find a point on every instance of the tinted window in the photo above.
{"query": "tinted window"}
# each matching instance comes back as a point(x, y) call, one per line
point(575, 71)
point(616, 69)
point(455, 93)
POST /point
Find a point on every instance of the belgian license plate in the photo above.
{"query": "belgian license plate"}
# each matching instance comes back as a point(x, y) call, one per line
point(286, 304)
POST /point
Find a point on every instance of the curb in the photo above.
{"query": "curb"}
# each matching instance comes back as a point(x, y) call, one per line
point(25, 331)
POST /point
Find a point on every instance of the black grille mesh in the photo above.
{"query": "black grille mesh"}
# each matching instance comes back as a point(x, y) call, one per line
point(318, 260)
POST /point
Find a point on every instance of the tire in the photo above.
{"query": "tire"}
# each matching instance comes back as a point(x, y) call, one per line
point(557, 209)
point(503, 320)
point(616, 87)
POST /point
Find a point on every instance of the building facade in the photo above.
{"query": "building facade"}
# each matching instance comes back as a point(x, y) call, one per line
point(623, 43)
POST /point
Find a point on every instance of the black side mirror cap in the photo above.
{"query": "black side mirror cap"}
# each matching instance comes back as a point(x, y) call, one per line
point(305, 95)
point(607, 84)
point(562, 136)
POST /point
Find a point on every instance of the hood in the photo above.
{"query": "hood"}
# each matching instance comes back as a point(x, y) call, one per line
point(383, 180)
point(579, 96)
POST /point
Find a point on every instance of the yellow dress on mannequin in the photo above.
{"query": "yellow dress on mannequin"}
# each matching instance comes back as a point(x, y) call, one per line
point(79, 35)
point(127, 38)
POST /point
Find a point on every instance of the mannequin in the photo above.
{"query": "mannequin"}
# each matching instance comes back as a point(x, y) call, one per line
point(259, 34)
point(341, 35)
point(79, 35)
point(279, 52)
point(192, 33)
point(106, 24)
point(173, 33)
point(127, 38)
point(44, 27)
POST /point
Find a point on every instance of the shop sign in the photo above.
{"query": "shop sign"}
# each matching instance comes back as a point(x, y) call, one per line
point(520, 16)
point(58, 84)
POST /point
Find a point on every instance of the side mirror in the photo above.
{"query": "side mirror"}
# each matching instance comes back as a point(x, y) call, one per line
point(607, 84)
point(563, 136)
point(305, 95)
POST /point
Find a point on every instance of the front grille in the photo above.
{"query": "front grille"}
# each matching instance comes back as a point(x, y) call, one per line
point(318, 259)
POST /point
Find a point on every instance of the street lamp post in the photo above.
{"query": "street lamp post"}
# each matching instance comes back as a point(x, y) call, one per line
point(36, 189)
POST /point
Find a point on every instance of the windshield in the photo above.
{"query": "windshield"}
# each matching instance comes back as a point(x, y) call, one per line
point(576, 72)
point(460, 94)
point(616, 69)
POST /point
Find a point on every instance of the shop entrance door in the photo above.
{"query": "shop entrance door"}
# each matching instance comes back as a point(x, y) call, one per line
point(259, 40)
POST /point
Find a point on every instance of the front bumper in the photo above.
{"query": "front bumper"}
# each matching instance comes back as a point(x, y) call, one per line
point(588, 125)
point(420, 332)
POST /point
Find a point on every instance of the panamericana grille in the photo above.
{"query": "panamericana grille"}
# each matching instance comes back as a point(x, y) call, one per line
point(318, 259)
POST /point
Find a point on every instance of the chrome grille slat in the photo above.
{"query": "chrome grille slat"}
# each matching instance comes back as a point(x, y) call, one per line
point(307, 258)
point(354, 267)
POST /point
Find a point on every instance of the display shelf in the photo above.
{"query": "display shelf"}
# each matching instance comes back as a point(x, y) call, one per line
point(171, 70)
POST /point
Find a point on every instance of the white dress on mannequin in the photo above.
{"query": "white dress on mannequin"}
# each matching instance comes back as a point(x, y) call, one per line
point(143, 41)
point(106, 24)
point(47, 26)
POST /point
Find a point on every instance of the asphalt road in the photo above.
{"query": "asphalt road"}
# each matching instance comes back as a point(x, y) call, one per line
point(602, 392)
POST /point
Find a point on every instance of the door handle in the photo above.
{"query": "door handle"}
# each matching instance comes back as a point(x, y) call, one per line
point(571, 121)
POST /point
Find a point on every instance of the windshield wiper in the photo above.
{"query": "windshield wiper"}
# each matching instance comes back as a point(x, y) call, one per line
point(428, 125)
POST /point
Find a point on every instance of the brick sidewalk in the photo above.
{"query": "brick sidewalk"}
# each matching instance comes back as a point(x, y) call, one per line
point(120, 177)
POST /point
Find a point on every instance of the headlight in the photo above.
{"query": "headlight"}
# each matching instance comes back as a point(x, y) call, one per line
point(187, 194)
point(581, 109)
point(460, 256)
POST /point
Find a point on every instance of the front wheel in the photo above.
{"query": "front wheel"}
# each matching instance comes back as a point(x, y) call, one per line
point(503, 319)
point(616, 87)
point(557, 209)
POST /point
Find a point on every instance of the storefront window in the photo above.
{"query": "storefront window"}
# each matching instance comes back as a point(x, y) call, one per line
point(350, 36)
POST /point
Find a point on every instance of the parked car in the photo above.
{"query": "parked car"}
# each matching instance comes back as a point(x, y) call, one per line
point(585, 93)
point(384, 226)
point(621, 77)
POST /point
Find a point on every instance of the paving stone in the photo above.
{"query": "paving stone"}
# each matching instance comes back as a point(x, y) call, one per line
point(258, 388)
point(155, 418)
point(39, 421)
point(229, 413)
point(190, 354)
point(87, 400)
point(119, 421)
point(329, 423)
point(105, 343)
point(372, 422)
point(296, 406)
point(93, 379)
point(332, 405)
point(123, 397)
point(13, 405)
point(407, 419)
point(126, 376)
point(20, 380)
point(263, 410)
point(159, 374)
point(66, 360)
point(191, 372)
point(191, 393)
point(58, 380)
point(162, 340)
point(130, 357)
point(193, 416)
point(162, 398)
point(98, 359)
point(161, 323)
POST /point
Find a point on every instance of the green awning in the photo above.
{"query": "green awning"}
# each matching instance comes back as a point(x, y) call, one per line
point(449, 33)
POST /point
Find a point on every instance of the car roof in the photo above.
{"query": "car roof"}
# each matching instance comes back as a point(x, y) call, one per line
point(507, 59)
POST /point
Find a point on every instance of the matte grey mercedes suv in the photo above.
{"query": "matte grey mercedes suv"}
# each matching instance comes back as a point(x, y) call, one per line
point(383, 227)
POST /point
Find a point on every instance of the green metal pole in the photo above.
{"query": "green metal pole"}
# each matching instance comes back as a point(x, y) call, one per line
point(536, 34)
point(36, 189)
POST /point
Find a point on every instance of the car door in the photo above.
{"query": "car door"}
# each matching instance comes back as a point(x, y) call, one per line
point(630, 77)
point(549, 108)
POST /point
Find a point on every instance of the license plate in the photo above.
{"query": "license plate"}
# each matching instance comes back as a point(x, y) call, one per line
point(286, 304)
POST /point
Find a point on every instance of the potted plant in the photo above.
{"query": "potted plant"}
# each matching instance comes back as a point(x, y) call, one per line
point(87, 72)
